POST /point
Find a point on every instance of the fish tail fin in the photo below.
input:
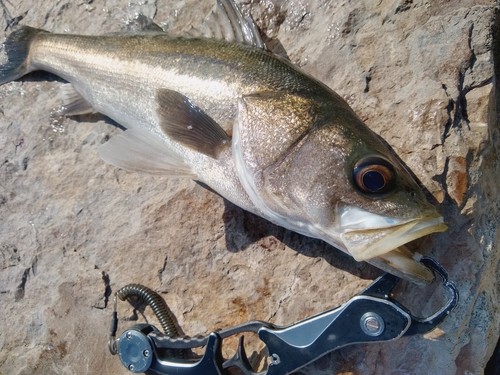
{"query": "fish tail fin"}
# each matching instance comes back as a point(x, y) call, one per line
point(17, 47)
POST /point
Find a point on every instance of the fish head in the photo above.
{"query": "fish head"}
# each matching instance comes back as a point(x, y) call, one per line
point(324, 174)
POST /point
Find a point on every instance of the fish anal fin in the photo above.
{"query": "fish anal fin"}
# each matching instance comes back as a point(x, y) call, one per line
point(73, 102)
point(140, 151)
point(186, 123)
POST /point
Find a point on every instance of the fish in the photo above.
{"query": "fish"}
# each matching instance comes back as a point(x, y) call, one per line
point(220, 107)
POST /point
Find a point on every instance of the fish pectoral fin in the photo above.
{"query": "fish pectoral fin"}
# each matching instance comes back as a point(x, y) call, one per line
point(140, 151)
point(226, 22)
point(186, 123)
point(73, 102)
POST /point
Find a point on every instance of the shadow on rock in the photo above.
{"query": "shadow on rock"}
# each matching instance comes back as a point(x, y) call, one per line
point(244, 229)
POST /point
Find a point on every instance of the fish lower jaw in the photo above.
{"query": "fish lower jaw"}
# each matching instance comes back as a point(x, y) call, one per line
point(404, 264)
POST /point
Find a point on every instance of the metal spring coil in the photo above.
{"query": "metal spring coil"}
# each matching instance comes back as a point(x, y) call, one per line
point(157, 304)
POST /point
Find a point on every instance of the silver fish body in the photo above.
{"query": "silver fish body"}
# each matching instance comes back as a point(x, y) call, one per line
point(250, 125)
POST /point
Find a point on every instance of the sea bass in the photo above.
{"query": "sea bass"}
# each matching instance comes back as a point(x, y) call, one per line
point(248, 124)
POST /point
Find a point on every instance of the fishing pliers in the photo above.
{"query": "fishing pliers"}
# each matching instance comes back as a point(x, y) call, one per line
point(371, 316)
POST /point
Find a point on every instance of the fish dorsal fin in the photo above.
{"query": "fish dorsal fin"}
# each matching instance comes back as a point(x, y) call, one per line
point(186, 123)
point(226, 22)
point(140, 23)
point(139, 150)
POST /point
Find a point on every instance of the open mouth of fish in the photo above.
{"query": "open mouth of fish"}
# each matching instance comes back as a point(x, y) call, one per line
point(377, 239)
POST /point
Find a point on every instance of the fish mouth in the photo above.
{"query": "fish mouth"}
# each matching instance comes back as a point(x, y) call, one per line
point(381, 241)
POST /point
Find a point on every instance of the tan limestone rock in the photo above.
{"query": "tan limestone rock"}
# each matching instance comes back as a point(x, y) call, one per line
point(73, 229)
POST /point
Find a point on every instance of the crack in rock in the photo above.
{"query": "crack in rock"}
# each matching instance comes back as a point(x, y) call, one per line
point(22, 286)
point(103, 301)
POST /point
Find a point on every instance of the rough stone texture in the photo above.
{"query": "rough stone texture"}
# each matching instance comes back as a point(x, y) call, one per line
point(74, 229)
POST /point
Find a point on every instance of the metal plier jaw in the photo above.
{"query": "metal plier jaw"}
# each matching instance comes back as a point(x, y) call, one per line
point(371, 316)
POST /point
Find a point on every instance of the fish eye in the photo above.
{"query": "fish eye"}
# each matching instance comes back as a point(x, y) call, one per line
point(374, 175)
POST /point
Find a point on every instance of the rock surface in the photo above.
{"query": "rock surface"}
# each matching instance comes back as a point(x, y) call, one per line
point(73, 229)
